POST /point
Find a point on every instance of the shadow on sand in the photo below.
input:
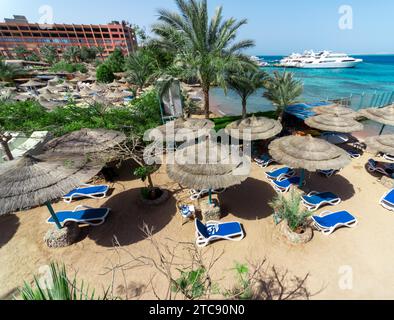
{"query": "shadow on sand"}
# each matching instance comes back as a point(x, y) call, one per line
point(336, 184)
point(127, 217)
point(9, 224)
point(249, 200)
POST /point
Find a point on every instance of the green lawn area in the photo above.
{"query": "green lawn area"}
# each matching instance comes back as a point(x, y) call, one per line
point(221, 123)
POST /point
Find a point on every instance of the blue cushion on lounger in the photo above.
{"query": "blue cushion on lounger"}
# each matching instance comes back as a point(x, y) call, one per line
point(334, 219)
point(81, 216)
point(280, 172)
point(320, 198)
point(389, 197)
point(219, 230)
point(288, 182)
point(88, 191)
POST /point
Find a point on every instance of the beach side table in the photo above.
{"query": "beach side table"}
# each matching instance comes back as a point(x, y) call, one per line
point(188, 213)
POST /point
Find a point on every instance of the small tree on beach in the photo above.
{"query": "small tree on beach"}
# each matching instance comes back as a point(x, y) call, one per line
point(202, 45)
point(49, 54)
point(8, 72)
point(140, 68)
point(283, 90)
point(245, 83)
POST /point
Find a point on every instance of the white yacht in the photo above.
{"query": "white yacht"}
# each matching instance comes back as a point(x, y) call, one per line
point(321, 60)
point(260, 62)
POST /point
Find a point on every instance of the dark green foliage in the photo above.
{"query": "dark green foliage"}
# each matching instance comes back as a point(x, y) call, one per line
point(142, 114)
point(49, 54)
point(8, 72)
point(191, 284)
point(116, 61)
point(283, 90)
point(104, 73)
point(141, 67)
point(64, 66)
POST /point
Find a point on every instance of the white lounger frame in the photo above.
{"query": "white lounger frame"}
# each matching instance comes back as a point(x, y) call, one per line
point(385, 204)
point(99, 195)
point(312, 207)
point(89, 221)
point(282, 176)
point(264, 164)
point(282, 190)
point(328, 231)
point(388, 157)
point(377, 169)
point(195, 195)
point(203, 242)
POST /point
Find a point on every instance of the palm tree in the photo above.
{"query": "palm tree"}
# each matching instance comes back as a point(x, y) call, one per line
point(140, 68)
point(72, 54)
point(202, 45)
point(245, 83)
point(283, 90)
point(100, 51)
point(8, 71)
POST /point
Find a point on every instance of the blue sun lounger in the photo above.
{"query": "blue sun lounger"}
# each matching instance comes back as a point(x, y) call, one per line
point(87, 191)
point(386, 169)
point(214, 231)
point(315, 200)
point(329, 221)
point(279, 174)
point(264, 161)
point(285, 185)
point(353, 154)
point(82, 215)
point(387, 200)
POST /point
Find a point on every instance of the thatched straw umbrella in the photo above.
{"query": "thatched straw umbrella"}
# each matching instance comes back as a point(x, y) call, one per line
point(385, 116)
point(336, 110)
point(334, 123)
point(36, 180)
point(383, 144)
point(85, 141)
point(97, 87)
point(54, 81)
point(180, 130)
point(209, 165)
point(47, 104)
point(32, 85)
point(308, 153)
point(259, 128)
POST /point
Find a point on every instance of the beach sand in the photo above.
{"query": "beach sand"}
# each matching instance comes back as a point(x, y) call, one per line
point(365, 250)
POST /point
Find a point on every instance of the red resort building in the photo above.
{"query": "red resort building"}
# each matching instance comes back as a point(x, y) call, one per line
point(19, 32)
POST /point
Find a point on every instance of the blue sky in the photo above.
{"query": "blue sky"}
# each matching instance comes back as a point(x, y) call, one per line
point(278, 27)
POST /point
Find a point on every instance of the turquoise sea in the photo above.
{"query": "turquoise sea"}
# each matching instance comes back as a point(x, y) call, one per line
point(369, 84)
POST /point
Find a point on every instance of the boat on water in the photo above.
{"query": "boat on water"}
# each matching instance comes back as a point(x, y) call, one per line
point(260, 62)
point(320, 60)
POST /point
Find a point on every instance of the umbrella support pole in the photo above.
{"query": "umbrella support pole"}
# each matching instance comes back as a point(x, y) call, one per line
point(53, 214)
point(302, 178)
point(210, 196)
point(381, 131)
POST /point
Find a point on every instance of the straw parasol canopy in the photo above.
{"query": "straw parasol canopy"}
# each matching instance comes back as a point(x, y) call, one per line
point(209, 165)
point(116, 95)
point(85, 141)
point(34, 180)
point(180, 130)
point(308, 153)
point(334, 123)
point(32, 84)
point(54, 81)
point(383, 143)
point(260, 128)
point(382, 115)
point(336, 110)
point(97, 87)
point(47, 104)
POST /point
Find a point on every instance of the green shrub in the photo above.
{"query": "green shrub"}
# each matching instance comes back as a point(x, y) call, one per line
point(62, 288)
point(64, 66)
point(191, 284)
point(290, 210)
point(104, 74)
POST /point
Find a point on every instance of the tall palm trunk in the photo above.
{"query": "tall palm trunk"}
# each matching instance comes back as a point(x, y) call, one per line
point(6, 148)
point(244, 103)
point(205, 91)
